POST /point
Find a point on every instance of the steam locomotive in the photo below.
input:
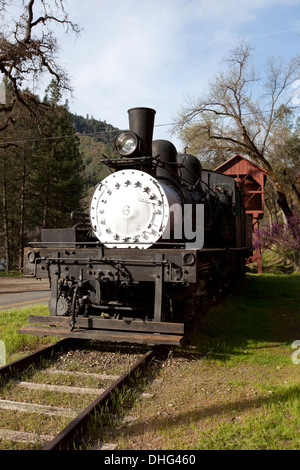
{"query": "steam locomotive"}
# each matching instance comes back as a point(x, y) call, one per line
point(162, 235)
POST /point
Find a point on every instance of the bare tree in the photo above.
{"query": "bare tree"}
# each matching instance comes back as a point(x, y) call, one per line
point(240, 112)
point(28, 49)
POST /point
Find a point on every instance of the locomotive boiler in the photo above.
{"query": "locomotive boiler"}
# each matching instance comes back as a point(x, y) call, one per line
point(162, 235)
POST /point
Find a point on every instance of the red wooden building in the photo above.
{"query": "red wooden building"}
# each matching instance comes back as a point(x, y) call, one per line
point(252, 180)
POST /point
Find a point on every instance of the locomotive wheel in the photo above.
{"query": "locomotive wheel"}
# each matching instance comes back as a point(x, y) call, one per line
point(63, 306)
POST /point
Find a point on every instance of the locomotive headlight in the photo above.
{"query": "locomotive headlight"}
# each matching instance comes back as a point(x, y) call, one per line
point(126, 143)
point(32, 255)
point(189, 259)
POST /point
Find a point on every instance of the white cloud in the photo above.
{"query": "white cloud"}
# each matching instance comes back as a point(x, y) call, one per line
point(153, 52)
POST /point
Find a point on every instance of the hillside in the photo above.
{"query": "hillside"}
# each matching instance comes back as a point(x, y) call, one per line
point(96, 140)
point(100, 131)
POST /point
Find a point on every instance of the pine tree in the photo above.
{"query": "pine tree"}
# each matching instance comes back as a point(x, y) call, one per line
point(40, 176)
point(59, 164)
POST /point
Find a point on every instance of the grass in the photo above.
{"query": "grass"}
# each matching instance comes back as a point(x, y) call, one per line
point(273, 262)
point(264, 311)
point(16, 344)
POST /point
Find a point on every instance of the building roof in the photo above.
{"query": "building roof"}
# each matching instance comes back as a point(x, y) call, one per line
point(244, 164)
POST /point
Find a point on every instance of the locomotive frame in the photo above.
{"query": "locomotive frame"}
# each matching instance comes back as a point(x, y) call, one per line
point(101, 290)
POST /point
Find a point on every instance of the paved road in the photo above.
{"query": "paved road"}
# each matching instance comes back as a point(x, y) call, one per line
point(20, 292)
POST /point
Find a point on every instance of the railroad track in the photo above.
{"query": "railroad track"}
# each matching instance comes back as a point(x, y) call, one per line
point(42, 361)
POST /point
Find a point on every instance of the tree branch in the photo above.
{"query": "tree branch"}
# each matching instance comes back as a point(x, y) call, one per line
point(24, 57)
point(228, 113)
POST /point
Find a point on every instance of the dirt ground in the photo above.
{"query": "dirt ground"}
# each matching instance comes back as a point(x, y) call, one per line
point(21, 284)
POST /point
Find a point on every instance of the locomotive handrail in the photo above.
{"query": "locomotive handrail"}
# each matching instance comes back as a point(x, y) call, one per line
point(83, 244)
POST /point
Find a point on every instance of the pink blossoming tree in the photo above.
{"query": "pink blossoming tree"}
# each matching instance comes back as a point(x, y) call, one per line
point(282, 238)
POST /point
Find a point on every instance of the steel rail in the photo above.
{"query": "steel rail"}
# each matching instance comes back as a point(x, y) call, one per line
point(24, 362)
point(74, 429)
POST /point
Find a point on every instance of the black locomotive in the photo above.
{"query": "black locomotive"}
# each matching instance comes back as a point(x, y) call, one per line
point(162, 235)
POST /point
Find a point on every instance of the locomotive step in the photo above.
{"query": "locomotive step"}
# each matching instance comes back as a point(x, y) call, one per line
point(104, 335)
point(135, 331)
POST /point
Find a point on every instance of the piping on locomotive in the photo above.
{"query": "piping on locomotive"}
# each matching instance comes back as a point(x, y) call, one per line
point(162, 235)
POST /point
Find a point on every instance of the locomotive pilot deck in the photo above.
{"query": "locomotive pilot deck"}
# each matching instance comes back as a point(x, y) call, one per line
point(98, 266)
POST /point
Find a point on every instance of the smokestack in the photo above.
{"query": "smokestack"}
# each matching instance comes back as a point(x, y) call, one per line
point(141, 121)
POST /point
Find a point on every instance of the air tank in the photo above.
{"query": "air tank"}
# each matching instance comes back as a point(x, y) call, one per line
point(166, 153)
point(189, 169)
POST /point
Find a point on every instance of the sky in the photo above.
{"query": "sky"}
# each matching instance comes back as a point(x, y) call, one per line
point(156, 53)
